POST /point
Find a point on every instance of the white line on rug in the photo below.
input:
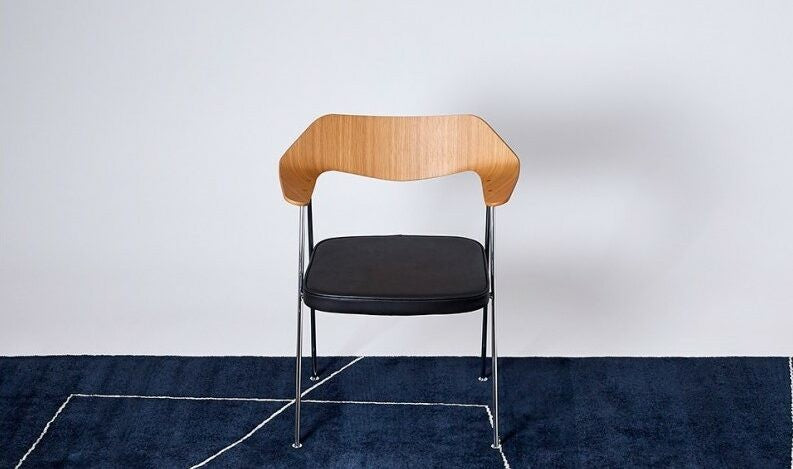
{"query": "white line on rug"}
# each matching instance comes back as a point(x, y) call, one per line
point(448, 404)
point(264, 422)
point(46, 427)
point(186, 398)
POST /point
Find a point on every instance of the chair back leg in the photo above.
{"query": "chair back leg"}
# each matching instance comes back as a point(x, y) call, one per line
point(314, 374)
point(483, 372)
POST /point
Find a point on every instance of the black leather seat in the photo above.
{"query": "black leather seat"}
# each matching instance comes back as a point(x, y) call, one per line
point(397, 275)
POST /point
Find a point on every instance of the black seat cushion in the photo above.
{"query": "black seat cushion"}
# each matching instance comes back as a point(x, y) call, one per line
point(397, 275)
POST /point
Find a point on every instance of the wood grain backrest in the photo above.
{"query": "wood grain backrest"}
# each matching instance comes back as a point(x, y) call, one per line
point(399, 149)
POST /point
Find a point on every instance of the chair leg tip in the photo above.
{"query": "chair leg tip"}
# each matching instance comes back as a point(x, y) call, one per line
point(314, 378)
point(482, 378)
point(296, 445)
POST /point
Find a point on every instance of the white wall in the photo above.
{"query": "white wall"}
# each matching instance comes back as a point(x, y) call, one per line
point(140, 211)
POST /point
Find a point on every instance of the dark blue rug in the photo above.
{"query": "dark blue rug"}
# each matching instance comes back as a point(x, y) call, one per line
point(555, 412)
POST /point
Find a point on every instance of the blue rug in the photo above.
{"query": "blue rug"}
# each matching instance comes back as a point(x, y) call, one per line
point(100, 411)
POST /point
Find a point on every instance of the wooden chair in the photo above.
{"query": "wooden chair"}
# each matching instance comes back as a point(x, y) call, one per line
point(398, 275)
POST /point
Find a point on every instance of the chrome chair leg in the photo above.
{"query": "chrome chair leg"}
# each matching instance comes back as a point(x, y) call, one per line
point(314, 375)
point(491, 263)
point(299, 352)
point(310, 215)
point(496, 440)
point(482, 374)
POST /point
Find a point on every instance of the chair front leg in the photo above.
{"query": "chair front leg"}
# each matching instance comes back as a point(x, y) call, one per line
point(491, 264)
point(496, 440)
point(299, 352)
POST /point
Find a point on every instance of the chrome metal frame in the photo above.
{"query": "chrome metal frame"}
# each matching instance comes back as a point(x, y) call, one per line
point(314, 376)
point(490, 229)
point(483, 373)
point(299, 353)
point(491, 265)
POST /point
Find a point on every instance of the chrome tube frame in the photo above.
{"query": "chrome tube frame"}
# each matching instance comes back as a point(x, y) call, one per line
point(299, 352)
point(483, 372)
point(491, 264)
point(490, 254)
point(314, 376)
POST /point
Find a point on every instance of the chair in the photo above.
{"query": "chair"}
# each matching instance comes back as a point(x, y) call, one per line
point(398, 275)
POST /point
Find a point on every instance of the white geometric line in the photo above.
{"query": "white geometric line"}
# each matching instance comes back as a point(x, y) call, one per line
point(448, 404)
point(187, 398)
point(289, 402)
point(46, 427)
point(330, 376)
point(790, 370)
point(489, 415)
point(267, 399)
point(247, 435)
point(264, 422)
point(500, 447)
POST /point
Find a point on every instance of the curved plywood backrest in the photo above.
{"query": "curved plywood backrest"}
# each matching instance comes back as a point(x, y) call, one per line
point(399, 149)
